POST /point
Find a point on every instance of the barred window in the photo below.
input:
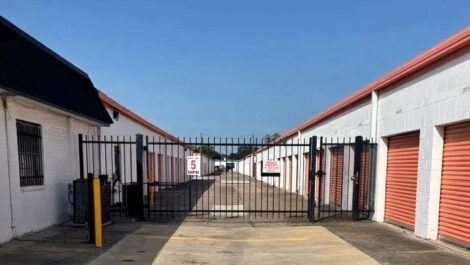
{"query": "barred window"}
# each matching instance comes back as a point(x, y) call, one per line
point(30, 153)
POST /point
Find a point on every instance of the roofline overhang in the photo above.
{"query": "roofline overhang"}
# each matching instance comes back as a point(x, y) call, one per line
point(41, 46)
point(424, 62)
point(113, 104)
point(50, 106)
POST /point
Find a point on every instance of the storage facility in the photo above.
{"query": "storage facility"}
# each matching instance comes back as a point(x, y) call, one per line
point(46, 103)
point(419, 116)
point(413, 123)
point(163, 163)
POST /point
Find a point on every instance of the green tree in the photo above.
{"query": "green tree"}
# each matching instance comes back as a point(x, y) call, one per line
point(271, 137)
point(242, 152)
point(208, 151)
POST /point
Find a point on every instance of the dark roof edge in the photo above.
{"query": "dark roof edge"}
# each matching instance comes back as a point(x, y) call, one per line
point(41, 46)
point(14, 92)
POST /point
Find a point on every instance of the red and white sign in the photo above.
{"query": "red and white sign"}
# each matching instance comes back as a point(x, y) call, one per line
point(271, 167)
point(193, 165)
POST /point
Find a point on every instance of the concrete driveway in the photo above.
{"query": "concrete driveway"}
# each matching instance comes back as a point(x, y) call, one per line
point(233, 243)
point(197, 242)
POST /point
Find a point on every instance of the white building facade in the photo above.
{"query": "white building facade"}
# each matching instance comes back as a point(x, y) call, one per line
point(427, 98)
point(27, 208)
point(41, 115)
point(165, 160)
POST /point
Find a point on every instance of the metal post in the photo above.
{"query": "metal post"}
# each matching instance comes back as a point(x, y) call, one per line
point(357, 175)
point(140, 176)
point(149, 189)
point(91, 210)
point(311, 177)
point(80, 155)
point(97, 212)
point(320, 174)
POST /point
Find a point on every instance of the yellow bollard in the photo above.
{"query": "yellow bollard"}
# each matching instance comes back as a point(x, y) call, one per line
point(97, 208)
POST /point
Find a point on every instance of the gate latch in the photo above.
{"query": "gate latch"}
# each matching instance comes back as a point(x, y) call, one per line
point(320, 173)
point(355, 178)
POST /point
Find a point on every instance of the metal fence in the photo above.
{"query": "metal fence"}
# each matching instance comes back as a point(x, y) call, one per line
point(345, 180)
point(233, 184)
point(316, 178)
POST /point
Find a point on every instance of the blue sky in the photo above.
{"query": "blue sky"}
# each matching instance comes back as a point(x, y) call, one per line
point(235, 68)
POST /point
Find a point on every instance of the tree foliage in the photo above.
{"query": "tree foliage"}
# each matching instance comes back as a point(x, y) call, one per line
point(208, 151)
point(242, 152)
point(269, 138)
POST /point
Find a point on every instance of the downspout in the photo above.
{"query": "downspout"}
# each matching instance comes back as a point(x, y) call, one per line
point(7, 141)
point(379, 189)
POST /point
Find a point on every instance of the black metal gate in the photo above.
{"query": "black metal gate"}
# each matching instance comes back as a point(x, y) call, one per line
point(231, 183)
point(344, 180)
point(237, 178)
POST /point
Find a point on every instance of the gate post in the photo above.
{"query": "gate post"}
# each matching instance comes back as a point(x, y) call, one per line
point(311, 177)
point(140, 175)
point(80, 155)
point(358, 146)
point(91, 209)
point(320, 174)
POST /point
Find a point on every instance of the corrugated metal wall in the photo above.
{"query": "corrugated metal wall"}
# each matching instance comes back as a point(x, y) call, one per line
point(402, 172)
point(454, 215)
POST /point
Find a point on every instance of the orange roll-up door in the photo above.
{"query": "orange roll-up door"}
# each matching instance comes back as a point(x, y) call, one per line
point(336, 180)
point(364, 178)
point(454, 213)
point(402, 175)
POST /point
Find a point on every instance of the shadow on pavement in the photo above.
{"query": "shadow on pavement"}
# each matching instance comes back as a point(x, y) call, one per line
point(64, 244)
point(389, 245)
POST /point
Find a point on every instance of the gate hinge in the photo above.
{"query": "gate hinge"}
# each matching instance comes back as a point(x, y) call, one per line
point(355, 178)
point(320, 173)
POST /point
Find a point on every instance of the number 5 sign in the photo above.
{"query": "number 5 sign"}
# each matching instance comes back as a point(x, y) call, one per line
point(193, 165)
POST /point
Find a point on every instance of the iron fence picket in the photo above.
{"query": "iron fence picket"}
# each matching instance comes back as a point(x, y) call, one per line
point(300, 190)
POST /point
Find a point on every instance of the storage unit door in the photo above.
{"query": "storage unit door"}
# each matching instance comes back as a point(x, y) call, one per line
point(306, 173)
point(364, 178)
point(402, 175)
point(454, 214)
point(336, 175)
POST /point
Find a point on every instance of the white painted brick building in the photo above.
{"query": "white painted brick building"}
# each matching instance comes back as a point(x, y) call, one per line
point(423, 95)
point(31, 208)
point(168, 160)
